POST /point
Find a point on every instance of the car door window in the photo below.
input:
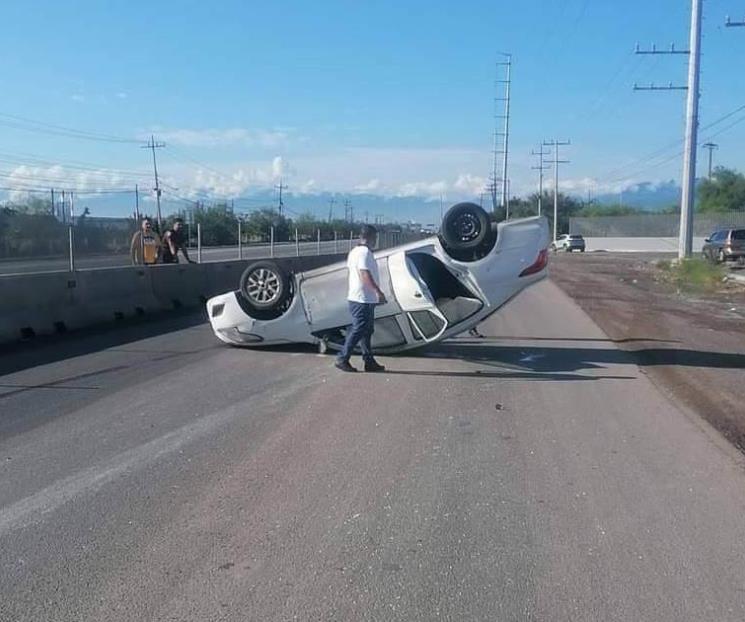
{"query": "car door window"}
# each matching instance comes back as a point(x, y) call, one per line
point(428, 323)
point(739, 235)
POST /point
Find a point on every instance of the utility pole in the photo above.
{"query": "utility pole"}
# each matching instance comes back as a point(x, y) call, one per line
point(331, 209)
point(54, 207)
point(688, 182)
point(540, 168)
point(555, 144)
point(442, 215)
point(152, 145)
point(137, 202)
point(498, 178)
point(685, 246)
point(711, 147)
point(280, 204)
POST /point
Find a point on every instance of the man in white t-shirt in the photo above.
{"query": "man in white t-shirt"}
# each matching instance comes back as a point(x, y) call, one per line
point(363, 295)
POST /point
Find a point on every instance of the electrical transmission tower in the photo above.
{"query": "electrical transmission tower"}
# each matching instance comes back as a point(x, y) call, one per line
point(331, 209)
point(542, 166)
point(348, 211)
point(152, 145)
point(688, 183)
point(500, 150)
point(711, 147)
point(280, 203)
point(555, 144)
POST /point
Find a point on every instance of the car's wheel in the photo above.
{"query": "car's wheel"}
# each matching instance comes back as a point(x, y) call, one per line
point(581, 250)
point(465, 226)
point(265, 285)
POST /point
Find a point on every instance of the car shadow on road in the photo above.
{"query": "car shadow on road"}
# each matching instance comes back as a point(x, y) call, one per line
point(569, 359)
point(505, 375)
point(488, 339)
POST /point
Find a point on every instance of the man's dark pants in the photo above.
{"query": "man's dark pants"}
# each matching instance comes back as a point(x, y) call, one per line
point(361, 331)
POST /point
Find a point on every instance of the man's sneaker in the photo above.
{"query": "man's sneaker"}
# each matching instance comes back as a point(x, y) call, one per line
point(374, 366)
point(344, 366)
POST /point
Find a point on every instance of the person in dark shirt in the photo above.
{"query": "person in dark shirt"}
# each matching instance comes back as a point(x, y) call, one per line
point(173, 242)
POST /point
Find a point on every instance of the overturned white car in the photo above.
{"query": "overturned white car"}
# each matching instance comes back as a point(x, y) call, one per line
point(435, 288)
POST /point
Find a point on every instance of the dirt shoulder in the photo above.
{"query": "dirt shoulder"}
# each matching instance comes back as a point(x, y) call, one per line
point(691, 345)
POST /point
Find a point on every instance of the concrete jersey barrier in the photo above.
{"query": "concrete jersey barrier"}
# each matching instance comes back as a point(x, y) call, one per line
point(52, 303)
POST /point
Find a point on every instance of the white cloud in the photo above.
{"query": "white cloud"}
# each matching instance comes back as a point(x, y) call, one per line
point(224, 137)
point(121, 95)
point(470, 184)
point(77, 97)
point(277, 167)
point(429, 190)
point(372, 186)
point(583, 184)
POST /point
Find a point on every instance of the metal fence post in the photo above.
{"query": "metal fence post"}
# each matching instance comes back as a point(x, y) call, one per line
point(199, 242)
point(336, 242)
point(350, 240)
point(318, 245)
point(271, 241)
point(297, 245)
point(72, 248)
point(240, 240)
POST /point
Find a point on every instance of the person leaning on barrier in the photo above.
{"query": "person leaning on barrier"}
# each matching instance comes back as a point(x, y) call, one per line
point(173, 242)
point(145, 247)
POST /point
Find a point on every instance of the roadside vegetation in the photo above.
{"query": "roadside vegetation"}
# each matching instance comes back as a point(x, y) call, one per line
point(694, 276)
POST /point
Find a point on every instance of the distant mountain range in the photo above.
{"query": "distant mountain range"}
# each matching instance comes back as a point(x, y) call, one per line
point(649, 196)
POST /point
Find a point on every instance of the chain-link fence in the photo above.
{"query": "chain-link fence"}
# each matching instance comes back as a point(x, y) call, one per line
point(32, 244)
point(653, 225)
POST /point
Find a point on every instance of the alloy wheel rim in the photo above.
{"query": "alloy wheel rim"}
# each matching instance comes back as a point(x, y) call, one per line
point(263, 286)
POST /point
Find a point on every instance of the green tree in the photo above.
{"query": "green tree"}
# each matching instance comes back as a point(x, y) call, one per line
point(219, 225)
point(724, 192)
point(523, 207)
point(258, 225)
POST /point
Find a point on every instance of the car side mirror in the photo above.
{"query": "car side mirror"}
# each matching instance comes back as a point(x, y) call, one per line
point(707, 240)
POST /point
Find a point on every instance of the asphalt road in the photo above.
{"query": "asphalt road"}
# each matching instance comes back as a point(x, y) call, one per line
point(254, 251)
point(537, 474)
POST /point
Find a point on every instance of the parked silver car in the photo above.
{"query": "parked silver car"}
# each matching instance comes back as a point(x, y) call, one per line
point(725, 245)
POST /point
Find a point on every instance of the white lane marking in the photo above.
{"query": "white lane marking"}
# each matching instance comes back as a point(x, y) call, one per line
point(33, 508)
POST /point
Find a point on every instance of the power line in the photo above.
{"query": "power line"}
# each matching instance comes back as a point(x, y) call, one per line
point(612, 175)
point(41, 127)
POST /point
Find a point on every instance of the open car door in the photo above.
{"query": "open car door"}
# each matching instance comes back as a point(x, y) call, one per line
point(426, 321)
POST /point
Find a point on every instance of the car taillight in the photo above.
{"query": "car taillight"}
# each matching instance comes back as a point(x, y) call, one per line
point(538, 265)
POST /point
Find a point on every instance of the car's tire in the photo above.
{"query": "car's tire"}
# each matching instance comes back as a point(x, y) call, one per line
point(465, 226)
point(581, 250)
point(265, 286)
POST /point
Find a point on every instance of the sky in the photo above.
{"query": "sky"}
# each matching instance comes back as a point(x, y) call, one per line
point(392, 98)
